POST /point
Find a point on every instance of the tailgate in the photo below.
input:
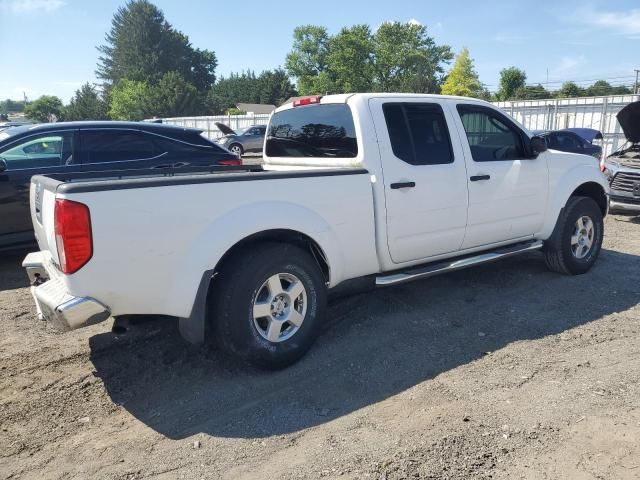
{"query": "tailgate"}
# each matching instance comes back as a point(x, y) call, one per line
point(42, 201)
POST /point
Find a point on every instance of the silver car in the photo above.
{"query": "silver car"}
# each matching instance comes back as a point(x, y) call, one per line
point(243, 140)
point(622, 168)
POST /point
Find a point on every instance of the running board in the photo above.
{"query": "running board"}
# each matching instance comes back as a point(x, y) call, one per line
point(432, 269)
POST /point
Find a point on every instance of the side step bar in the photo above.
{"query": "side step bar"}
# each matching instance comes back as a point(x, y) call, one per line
point(450, 265)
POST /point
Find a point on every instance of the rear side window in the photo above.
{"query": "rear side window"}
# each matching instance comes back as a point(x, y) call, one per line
point(175, 146)
point(312, 131)
point(418, 133)
point(117, 146)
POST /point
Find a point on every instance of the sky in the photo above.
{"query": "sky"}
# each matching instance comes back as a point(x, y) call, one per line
point(49, 46)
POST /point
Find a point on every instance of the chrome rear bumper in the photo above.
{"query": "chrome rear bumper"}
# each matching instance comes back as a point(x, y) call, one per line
point(55, 304)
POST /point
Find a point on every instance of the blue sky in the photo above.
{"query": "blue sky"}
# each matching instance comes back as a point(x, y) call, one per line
point(48, 46)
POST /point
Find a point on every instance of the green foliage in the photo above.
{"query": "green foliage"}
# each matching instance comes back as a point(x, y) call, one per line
point(11, 106)
point(86, 104)
point(350, 61)
point(397, 57)
point(308, 57)
point(174, 97)
point(463, 79)
point(602, 87)
point(532, 92)
point(271, 87)
point(570, 89)
point(512, 80)
point(142, 46)
point(234, 111)
point(406, 59)
point(130, 100)
point(47, 108)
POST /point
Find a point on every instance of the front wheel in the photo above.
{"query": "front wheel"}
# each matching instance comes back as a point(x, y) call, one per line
point(236, 149)
point(577, 239)
point(268, 303)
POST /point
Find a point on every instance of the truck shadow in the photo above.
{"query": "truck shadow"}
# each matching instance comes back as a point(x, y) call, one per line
point(376, 345)
point(12, 275)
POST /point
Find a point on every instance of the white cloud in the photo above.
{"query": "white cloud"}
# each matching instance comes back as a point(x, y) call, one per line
point(625, 23)
point(413, 21)
point(569, 64)
point(30, 6)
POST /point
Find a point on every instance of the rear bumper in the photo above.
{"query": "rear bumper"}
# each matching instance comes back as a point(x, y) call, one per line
point(55, 304)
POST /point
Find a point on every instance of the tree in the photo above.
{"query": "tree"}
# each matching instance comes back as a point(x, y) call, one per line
point(47, 108)
point(532, 92)
point(86, 104)
point(130, 100)
point(406, 59)
point(570, 89)
point(308, 58)
point(274, 87)
point(350, 59)
point(512, 80)
point(12, 106)
point(602, 87)
point(174, 97)
point(463, 79)
point(142, 46)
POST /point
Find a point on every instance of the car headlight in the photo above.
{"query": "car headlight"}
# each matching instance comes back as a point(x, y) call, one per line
point(610, 168)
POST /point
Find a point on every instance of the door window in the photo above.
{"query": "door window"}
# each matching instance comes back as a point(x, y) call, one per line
point(566, 142)
point(418, 133)
point(491, 136)
point(117, 146)
point(41, 151)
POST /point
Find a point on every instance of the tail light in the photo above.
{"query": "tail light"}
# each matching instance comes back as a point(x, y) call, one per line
point(231, 162)
point(73, 235)
point(307, 101)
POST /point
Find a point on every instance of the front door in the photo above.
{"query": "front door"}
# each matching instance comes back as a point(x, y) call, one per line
point(424, 178)
point(38, 154)
point(507, 189)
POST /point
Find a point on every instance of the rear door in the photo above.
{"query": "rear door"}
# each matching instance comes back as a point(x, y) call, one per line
point(119, 149)
point(425, 178)
point(507, 190)
point(44, 153)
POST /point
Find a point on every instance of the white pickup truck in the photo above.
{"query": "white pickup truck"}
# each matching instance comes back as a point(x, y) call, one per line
point(357, 191)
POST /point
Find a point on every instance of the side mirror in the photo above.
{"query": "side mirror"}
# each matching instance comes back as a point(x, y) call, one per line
point(537, 145)
point(3, 165)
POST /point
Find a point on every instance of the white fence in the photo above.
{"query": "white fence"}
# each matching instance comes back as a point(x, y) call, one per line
point(585, 112)
point(207, 124)
point(552, 114)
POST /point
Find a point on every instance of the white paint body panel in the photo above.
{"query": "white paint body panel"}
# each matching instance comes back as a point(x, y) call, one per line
point(152, 245)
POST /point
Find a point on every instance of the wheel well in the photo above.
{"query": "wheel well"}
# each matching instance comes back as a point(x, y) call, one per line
point(282, 236)
point(595, 192)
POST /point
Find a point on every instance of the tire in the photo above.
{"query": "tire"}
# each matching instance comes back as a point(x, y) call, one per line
point(253, 320)
point(573, 247)
point(237, 149)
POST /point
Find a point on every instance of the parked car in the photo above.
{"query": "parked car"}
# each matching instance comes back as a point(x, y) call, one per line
point(88, 146)
point(570, 140)
point(409, 186)
point(622, 168)
point(5, 125)
point(243, 140)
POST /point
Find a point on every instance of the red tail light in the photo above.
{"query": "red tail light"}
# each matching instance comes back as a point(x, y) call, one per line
point(307, 101)
point(73, 235)
point(231, 162)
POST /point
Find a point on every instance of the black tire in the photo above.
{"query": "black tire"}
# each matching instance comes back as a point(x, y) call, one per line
point(558, 253)
point(239, 147)
point(237, 287)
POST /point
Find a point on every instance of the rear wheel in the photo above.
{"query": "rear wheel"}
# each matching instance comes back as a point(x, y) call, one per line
point(577, 239)
point(268, 303)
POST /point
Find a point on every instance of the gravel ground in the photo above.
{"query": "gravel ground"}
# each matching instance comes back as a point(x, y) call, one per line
point(504, 371)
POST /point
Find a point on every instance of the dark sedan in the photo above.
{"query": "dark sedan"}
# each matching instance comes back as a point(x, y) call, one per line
point(572, 141)
point(89, 147)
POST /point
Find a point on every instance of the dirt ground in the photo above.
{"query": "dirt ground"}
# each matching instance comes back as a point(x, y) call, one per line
point(504, 371)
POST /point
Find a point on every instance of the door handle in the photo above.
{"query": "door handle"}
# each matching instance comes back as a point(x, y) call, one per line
point(395, 186)
point(476, 178)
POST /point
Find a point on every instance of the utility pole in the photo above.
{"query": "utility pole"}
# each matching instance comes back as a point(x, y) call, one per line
point(635, 87)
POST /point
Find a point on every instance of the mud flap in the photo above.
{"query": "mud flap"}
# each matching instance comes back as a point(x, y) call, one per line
point(192, 328)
